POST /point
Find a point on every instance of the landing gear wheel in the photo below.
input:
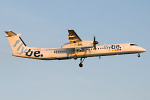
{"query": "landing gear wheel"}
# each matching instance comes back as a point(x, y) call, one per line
point(81, 61)
point(80, 65)
point(75, 57)
point(138, 54)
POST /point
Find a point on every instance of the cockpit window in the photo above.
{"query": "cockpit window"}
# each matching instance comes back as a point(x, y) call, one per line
point(133, 44)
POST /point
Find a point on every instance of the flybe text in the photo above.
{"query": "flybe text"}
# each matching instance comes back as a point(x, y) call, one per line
point(34, 53)
point(113, 47)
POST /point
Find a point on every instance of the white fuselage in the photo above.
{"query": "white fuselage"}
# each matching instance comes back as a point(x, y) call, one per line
point(75, 48)
point(63, 53)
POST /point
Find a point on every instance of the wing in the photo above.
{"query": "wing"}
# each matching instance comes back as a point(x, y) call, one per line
point(73, 37)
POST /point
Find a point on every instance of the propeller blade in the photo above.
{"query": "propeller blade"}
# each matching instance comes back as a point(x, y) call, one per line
point(94, 43)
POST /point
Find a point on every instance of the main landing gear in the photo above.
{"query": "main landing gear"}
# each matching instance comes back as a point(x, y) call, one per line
point(81, 61)
point(75, 57)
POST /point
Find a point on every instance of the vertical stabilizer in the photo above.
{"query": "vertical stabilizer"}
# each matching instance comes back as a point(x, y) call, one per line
point(17, 44)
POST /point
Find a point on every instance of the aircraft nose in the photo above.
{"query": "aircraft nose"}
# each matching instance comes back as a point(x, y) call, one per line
point(143, 50)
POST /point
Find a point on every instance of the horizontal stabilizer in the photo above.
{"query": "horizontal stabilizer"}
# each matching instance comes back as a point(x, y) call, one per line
point(10, 33)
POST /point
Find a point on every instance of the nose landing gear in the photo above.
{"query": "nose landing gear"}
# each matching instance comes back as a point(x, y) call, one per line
point(81, 61)
point(138, 54)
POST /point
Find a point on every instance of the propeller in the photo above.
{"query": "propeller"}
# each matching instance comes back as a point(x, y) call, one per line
point(94, 43)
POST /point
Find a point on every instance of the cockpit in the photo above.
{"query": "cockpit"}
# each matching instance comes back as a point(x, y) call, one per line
point(132, 44)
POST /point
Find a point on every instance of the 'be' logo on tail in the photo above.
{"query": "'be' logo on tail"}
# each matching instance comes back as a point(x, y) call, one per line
point(36, 53)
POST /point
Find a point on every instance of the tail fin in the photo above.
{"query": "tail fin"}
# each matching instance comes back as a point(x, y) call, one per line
point(16, 43)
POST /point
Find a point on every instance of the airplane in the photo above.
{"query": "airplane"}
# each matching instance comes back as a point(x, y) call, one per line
point(75, 48)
